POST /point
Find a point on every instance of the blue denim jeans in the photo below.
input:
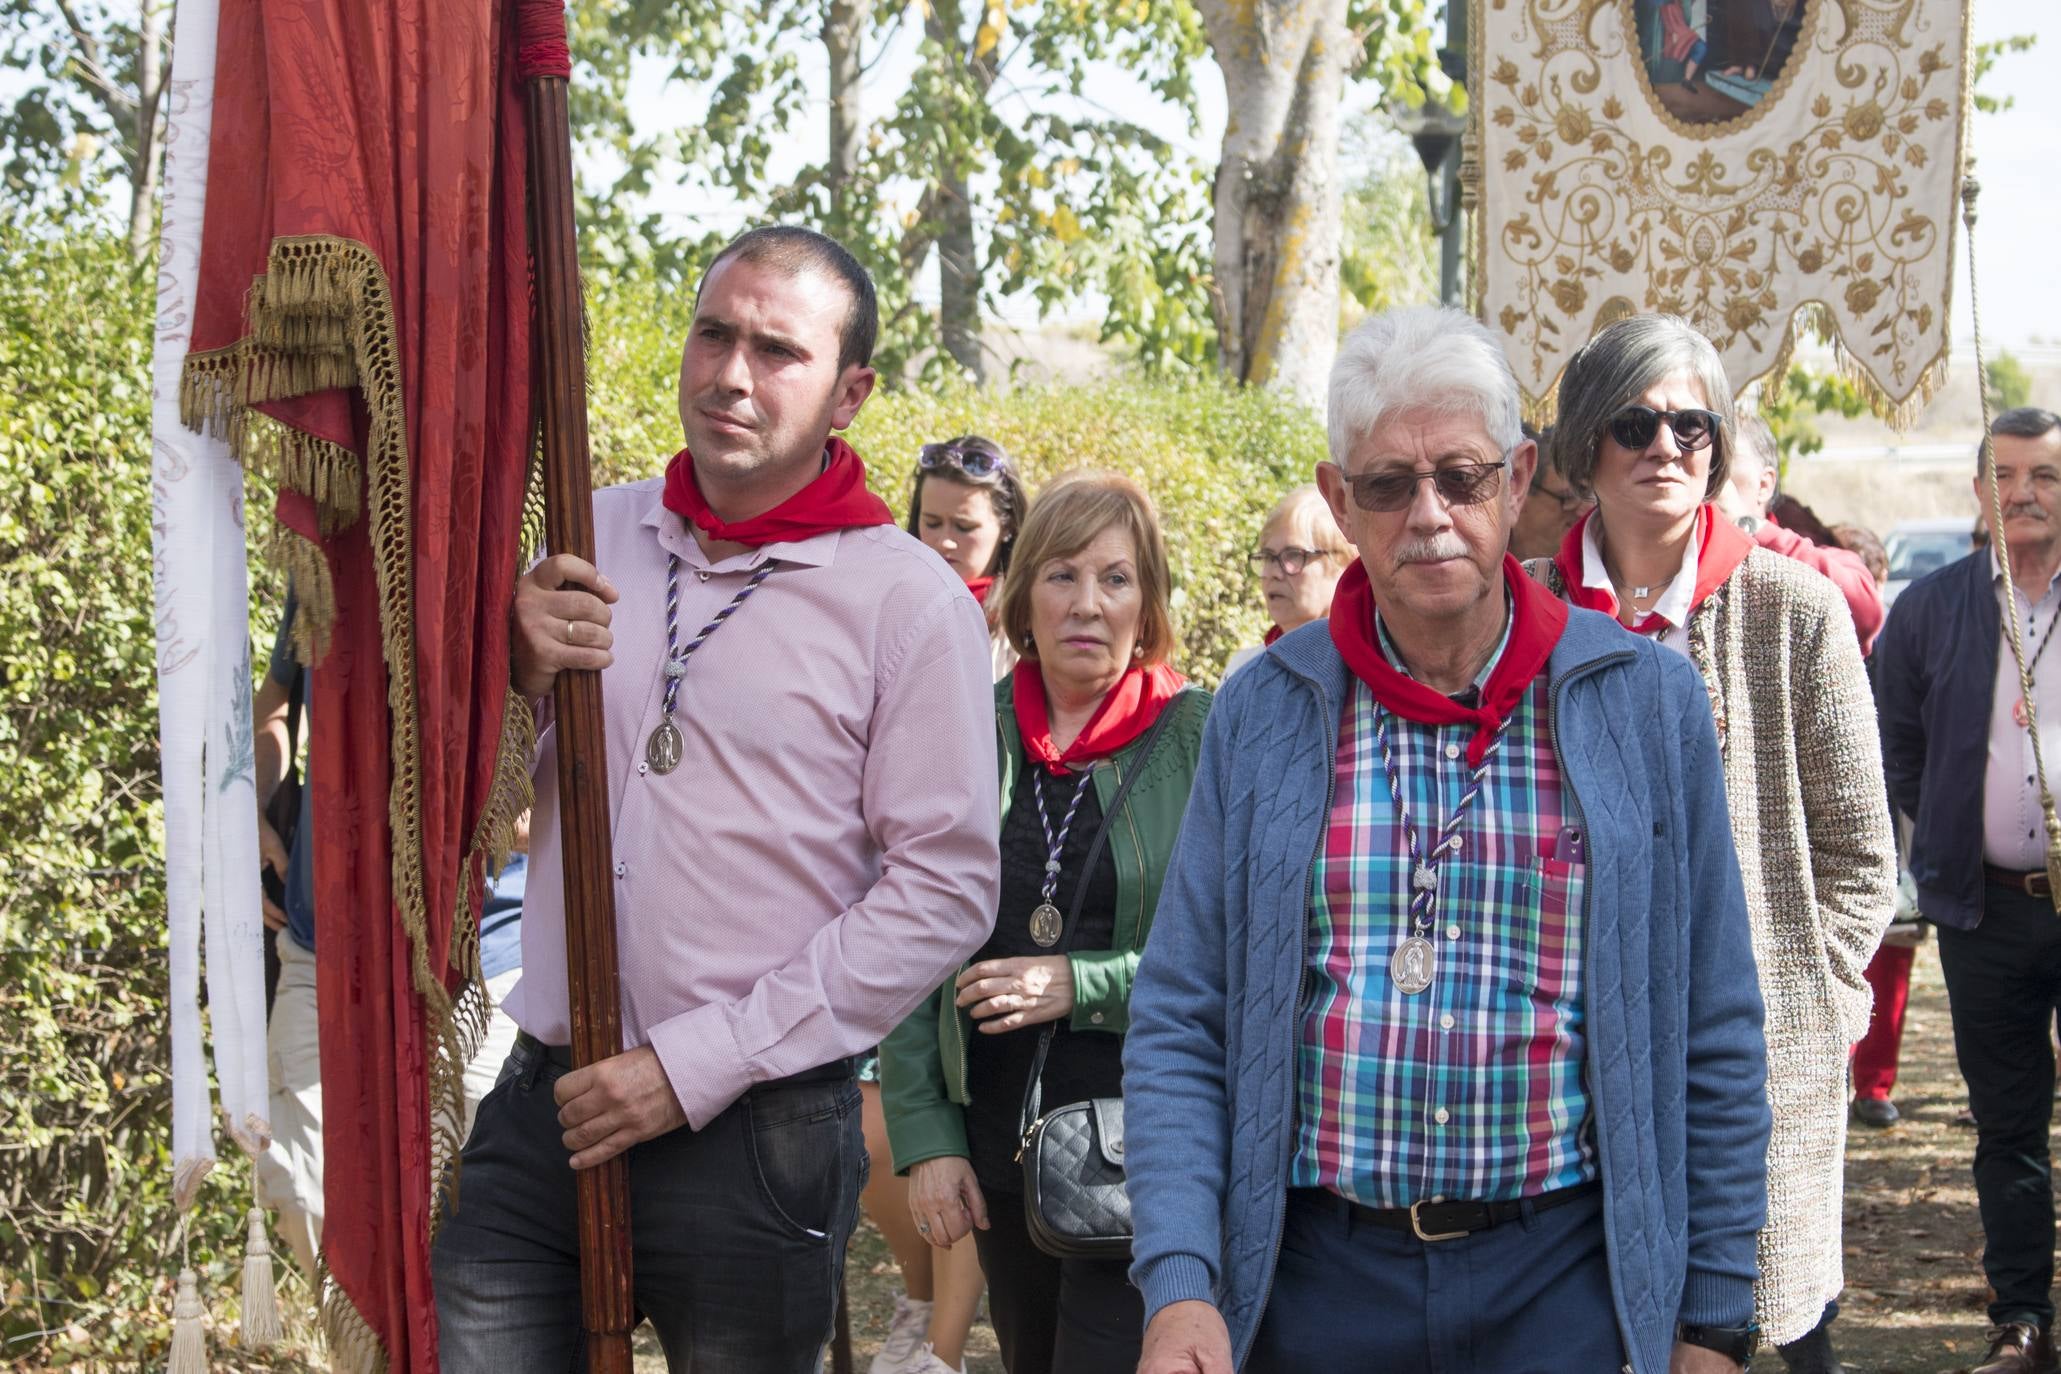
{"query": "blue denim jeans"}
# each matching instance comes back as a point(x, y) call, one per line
point(738, 1231)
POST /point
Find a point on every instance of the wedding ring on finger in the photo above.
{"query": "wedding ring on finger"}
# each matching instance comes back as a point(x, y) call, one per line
point(568, 632)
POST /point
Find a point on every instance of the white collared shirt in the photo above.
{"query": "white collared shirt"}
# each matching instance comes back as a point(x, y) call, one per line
point(1675, 603)
point(2013, 830)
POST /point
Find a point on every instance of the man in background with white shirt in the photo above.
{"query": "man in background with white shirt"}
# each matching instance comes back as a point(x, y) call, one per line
point(1958, 753)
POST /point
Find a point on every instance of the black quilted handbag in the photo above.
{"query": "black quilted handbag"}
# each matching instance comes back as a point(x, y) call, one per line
point(1074, 1202)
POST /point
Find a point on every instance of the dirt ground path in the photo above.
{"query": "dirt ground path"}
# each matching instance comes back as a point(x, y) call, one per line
point(1914, 1289)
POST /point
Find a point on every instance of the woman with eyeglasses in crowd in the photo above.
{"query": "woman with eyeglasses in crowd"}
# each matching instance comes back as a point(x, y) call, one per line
point(967, 506)
point(1301, 556)
point(1646, 426)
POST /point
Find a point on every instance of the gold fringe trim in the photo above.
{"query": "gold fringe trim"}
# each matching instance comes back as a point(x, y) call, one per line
point(307, 572)
point(354, 1347)
point(320, 317)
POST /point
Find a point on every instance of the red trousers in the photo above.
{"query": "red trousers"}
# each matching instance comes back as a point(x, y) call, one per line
point(1874, 1057)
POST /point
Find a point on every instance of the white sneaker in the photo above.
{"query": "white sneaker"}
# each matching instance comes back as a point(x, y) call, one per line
point(927, 1362)
point(904, 1347)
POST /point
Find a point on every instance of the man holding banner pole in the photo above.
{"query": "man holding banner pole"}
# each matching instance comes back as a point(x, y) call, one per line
point(801, 752)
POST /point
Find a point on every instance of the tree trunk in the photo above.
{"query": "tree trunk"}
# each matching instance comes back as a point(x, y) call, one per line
point(843, 26)
point(958, 256)
point(151, 70)
point(958, 269)
point(1278, 215)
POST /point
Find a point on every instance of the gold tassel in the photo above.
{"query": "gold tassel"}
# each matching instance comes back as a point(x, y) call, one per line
point(261, 1325)
point(189, 1333)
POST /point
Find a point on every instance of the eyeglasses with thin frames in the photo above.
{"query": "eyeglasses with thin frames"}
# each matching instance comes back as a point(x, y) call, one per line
point(1290, 560)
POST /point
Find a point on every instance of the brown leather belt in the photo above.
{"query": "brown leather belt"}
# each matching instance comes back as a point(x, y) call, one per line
point(2032, 884)
point(1434, 1221)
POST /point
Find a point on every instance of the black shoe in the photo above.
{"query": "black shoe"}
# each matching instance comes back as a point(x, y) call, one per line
point(2018, 1348)
point(1875, 1111)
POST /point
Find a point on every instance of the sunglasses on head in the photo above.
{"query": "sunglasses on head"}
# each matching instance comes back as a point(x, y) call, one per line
point(1462, 484)
point(1635, 427)
point(974, 463)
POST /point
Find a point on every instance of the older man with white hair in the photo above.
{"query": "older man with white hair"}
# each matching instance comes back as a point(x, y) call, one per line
point(1446, 1049)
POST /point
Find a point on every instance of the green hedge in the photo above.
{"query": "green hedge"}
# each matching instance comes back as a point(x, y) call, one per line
point(86, 1233)
point(1214, 458)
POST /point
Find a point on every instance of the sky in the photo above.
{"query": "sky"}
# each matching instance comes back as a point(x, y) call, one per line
point(2016, 160)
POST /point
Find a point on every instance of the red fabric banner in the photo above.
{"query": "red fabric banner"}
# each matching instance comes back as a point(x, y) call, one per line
point(362, 330)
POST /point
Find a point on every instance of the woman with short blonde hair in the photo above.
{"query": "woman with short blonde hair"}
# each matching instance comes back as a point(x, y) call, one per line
point(1086, 604)
point(1300, 557)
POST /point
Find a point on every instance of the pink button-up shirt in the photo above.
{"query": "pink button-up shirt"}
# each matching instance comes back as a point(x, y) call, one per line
point(825, 854)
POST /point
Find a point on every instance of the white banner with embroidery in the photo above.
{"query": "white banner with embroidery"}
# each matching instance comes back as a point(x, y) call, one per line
point(1747, 164)
point(204, 679)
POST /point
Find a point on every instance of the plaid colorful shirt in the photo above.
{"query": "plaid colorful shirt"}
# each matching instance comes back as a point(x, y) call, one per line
point(1471, 1089)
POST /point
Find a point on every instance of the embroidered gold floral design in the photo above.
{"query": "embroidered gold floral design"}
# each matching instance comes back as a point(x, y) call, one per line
point(1835, 195)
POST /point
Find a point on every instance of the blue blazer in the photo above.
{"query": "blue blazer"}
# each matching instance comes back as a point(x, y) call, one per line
point(1676, 1060)
point(1936, 676)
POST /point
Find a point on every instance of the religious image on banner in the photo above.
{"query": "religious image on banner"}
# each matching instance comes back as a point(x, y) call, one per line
point(1751, 165)
point(1713, 60)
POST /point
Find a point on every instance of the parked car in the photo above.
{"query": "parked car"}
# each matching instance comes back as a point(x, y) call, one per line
point(1917, 547)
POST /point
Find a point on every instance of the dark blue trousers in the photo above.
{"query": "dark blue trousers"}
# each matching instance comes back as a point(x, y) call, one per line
point(1531, 1296)
point(738, 1232)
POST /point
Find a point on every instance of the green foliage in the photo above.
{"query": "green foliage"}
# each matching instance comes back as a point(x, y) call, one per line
point(69, 121)
point(1389, 256)
point(1069, 202)
point(1215, 458)
point(2008, 383)
point(1986, 55)
point(1791, 409)
point(86, 1222)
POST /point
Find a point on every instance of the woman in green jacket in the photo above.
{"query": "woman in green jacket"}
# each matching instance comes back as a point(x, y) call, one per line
point(1087, 609)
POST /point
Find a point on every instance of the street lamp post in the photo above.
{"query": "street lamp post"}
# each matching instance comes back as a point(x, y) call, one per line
point(1437, 132)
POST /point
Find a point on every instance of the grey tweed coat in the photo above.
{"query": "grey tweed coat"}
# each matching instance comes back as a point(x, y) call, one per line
point(1810, 816)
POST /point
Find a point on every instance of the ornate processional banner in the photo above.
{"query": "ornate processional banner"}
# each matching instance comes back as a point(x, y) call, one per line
point(1751, 165)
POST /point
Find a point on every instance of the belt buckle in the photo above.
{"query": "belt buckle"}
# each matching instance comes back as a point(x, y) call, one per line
point(2037, 885)
point(1429, 1237)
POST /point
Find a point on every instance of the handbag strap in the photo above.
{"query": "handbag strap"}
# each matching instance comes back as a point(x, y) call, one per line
point(1034, 1090)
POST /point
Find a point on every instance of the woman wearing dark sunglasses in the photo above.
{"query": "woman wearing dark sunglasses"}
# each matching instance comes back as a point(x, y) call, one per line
point(1646, 426)
point(968, 504)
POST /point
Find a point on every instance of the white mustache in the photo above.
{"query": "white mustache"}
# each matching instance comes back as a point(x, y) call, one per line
point(2025, 508)
point(1435, 549)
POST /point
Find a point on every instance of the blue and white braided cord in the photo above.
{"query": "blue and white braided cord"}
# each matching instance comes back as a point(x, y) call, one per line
point(1423, 899)
point(1053, 848)
point(676, 661)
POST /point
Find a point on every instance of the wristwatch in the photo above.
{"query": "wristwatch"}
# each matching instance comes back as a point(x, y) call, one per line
point(1736, 1343)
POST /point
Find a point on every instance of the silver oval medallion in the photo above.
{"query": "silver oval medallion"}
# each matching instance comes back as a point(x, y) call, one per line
point(1046, 925)
point(662, 751)
point(1412, 965)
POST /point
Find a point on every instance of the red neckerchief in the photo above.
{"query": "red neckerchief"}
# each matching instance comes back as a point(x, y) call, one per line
point(836, 500)
point(1722, 546)
point(1537, 618)
point(1125, 713)
point(1273, 633)
point(980, 587)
